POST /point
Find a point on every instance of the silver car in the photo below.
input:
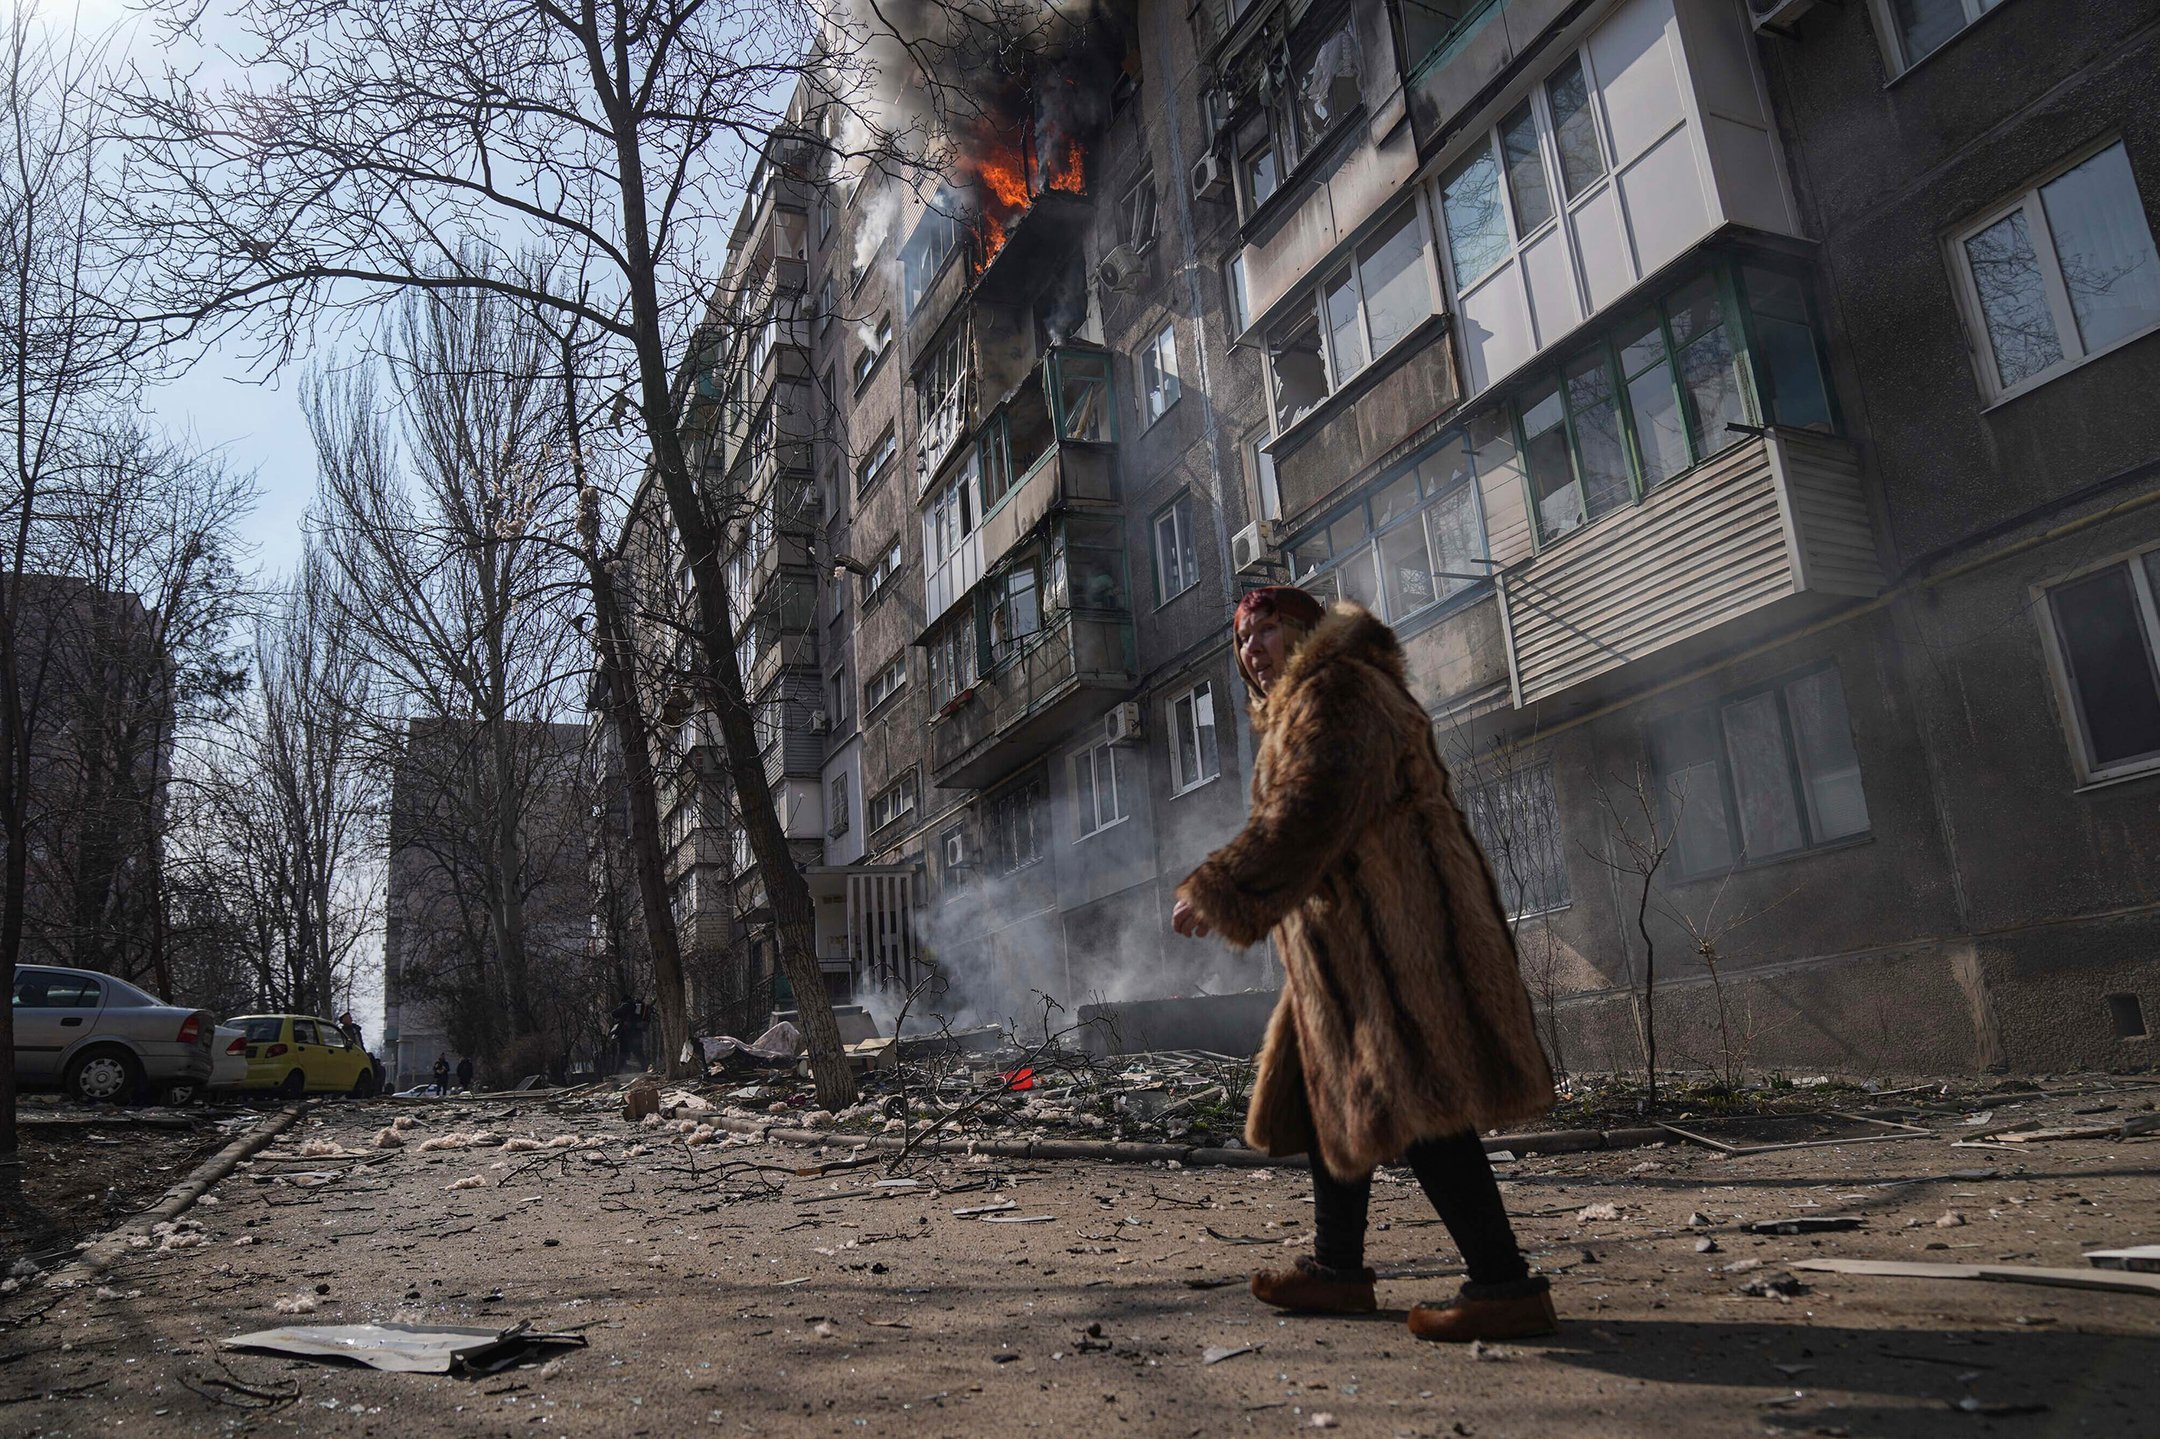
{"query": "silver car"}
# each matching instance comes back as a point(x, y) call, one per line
point(100, 1038)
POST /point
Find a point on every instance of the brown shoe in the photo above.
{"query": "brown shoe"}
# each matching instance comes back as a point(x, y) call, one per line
point(1493, 1311)
point(1307, 1287)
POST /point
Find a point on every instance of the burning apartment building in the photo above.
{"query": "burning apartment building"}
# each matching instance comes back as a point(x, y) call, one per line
point(1758, 505)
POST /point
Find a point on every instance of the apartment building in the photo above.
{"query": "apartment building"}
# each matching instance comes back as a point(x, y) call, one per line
point(1725, 400)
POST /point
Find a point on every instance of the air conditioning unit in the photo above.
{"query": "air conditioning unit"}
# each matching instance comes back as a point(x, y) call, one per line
point(958, 854)
point(820, 722)
point(1122, 724)
point(1249, 549)
point(1777, 17)
point(1210, 177)
point(1122, 269)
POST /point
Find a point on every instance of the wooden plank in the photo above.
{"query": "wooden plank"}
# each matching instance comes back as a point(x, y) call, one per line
point(2113, 1281)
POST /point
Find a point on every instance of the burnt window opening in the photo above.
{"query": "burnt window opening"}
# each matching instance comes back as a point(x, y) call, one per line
point(2127, 1013)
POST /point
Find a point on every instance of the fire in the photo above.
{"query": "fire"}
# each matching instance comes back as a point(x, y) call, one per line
point(1010, 171)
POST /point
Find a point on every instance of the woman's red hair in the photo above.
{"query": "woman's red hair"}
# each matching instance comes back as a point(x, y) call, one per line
point(1283, 601)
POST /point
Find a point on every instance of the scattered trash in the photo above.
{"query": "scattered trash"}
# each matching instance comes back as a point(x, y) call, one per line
point(1593, 1212)
point(1777, 1285)
point(1805, 1224)
point(470, 1181)
point(1950, 1219)
point(1970, 1405)
point(1698, 1220)
point(297, 1304)
point(641, 1100)
point(1490, 1353)
point(1217, 1353)
point(1706, 1245)
point(1018, 1218)
point(1321, 1420)
point(407, 1348)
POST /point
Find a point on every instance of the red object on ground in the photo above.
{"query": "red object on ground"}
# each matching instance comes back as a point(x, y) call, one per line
point(1020, 1079)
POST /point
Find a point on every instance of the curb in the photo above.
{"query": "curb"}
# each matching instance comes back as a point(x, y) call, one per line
point(1561, 1141)
point(101, 1252)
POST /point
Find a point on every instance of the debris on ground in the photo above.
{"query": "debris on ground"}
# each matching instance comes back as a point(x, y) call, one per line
point(408, 1348)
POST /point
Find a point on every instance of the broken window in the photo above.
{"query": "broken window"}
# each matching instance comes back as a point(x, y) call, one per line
point(1517, 823)
point(1095, 564)
point(1019, 827)
point(1139, 213)
point(1086, 409)
point(1297, 375)
point(2107, 634)
point(1323, 89)
point(926, 251)
point(1015, 608)
point(1194, 756)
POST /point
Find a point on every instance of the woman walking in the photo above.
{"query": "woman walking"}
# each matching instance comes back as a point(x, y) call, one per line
point(1404, 1027)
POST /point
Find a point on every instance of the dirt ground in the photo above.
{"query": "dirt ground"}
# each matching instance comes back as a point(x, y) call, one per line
point(720, 1296)
point(78, 1180)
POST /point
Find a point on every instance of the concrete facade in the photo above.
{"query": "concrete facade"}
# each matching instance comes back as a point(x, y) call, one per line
point(1627, 356)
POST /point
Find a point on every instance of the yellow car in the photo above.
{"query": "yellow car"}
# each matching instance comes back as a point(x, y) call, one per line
point(296, 1054)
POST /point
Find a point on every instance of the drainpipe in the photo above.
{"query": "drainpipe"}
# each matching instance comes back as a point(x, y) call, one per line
point(1211, 427)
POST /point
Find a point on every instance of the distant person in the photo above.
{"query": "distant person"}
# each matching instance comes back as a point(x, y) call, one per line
point(465, 1073)
point(350, 1028)
point(442, 1074)
point(628, 1032)
point(1403, 1027)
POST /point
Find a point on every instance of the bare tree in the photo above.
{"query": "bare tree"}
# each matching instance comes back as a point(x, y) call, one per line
point(419, 144)
point(432, 519)
point(65, 366)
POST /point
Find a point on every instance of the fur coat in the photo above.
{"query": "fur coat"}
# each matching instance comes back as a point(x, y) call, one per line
point(1403, 1016)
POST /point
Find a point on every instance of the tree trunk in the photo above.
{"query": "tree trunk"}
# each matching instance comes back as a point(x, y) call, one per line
point(722, 679)
point(617, 670)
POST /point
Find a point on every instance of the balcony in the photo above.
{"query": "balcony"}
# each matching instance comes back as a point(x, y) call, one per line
point(1031, 701)
point(1470, 59)
point(1773, 531)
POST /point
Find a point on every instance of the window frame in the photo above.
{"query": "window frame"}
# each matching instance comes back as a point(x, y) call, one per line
point(1179, 512)
point(837, 791)
point(892, 559)
point(1728, 796)
point(897, 801)
point(1159, 355)
point(2076, 727)
point(873, 355)
point(1895, 60)
point(1979, 345)
point(1180, 783)
point(1316, 291)
point(876, 693)
point(1485, 798)
point(878, 461)
point(1331, 568)
point(1093, 754)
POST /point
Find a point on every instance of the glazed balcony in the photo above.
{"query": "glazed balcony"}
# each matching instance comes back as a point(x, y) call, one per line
point(1030, 702)
point(1772, 531)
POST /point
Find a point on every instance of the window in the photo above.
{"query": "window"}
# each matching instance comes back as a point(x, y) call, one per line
point(953, 653)
point(1918, 28)
point(1240, 297)
point(1429, 24)
point(938, 393)
point(1138, 213)
point(837, 719)
point(1661, 391)
point(1194, 759)
point(1416, 537)
point(2106, 640)
point(924, 255)
point(2065, 272)
point(1016, 610)
point(885, 683)
point(874, 464)
point(893, 803)
point(1764, 774)
point(1322, 90)
point(836, 806)
point(1260, 466)
point(1098, 803)
point(51, 989)
point(951, 516)
point(875, 342)
point(1517, 824)
point(1158, 375)
point(1177, 563)
point(1257, 175)
point(1356, 314)
point(1019, 828)
point(882, 573)
point(828, 306)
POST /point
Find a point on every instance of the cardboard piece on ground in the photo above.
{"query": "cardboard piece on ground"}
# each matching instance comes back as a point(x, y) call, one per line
point(2113, 1281)
point(406, 1348)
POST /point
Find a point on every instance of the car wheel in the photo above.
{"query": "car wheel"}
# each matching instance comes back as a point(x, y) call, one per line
point(294, 1087)
point(364, 1086)
point(103, 1076)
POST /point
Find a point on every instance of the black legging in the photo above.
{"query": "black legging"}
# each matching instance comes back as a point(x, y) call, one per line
point(1457, 1178)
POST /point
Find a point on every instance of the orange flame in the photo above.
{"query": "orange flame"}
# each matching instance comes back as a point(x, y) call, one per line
point(1010, 174)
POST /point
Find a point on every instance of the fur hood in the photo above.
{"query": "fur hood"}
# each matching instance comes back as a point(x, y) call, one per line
point(1403, 1016)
